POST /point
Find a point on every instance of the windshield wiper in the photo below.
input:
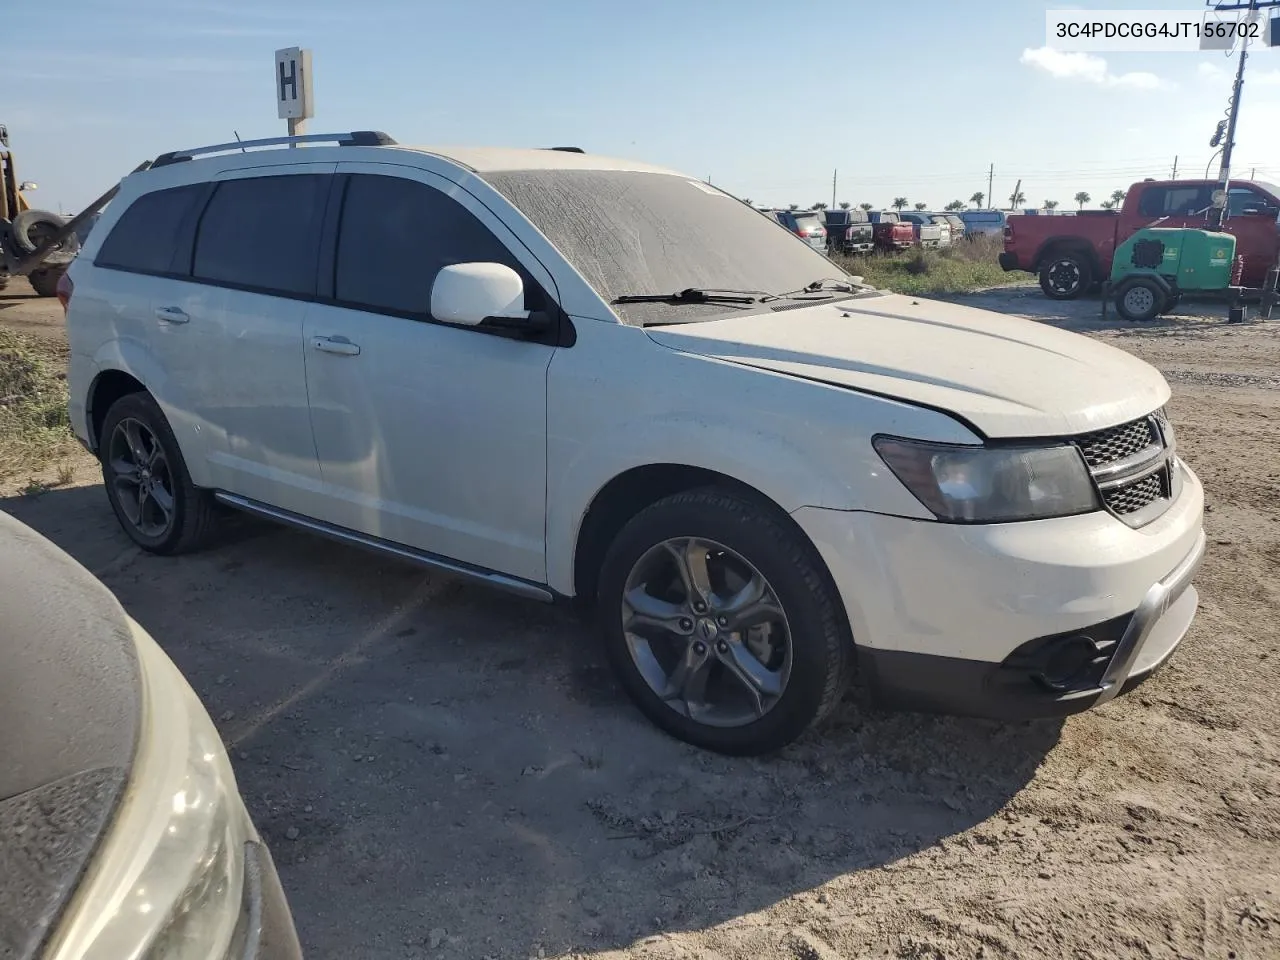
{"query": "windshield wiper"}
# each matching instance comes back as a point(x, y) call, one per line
point(697, 295)
point(820, 286)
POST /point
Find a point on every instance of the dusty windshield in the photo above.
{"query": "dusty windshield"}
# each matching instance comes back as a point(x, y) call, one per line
point(635, 234)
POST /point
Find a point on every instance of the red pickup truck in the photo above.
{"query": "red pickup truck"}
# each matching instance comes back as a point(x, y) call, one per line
point(1071, 253)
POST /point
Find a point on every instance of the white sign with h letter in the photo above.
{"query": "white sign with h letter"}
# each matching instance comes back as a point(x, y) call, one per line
point(293, 87)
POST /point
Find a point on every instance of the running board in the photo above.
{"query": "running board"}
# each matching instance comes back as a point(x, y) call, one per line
point(456, 568)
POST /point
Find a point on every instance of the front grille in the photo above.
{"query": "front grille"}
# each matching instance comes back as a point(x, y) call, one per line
point(1105, 450)
point(1132, 497)
point(1103, 447)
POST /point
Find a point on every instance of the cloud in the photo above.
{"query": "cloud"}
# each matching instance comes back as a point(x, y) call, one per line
point(1252, 75)
point(1086, 68)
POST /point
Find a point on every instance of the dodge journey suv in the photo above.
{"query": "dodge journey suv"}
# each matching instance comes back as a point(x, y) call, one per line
point(573, 376)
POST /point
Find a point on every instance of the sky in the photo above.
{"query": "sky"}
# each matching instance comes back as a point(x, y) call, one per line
point(766, 99)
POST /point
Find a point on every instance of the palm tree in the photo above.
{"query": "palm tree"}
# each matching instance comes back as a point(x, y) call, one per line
point(844, 204)
point(899, 202)
point(1016, 198)
point(747, 201)
point(977, 198)
point(793, 206)
point(955, 206)
point(921, 206)
point(1117, 196)
point(818, 206)
point(1051, 205)
point(865, 206)
point(1082, 198)
point(1108, 204)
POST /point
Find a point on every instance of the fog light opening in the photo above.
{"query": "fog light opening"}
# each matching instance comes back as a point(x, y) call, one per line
point(1068, 663)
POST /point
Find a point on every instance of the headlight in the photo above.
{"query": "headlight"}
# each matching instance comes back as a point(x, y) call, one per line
point(168, 880)
point(964, 484)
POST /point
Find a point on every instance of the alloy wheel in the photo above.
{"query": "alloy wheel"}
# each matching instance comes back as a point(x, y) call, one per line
point(706, 632)
point(141, 478)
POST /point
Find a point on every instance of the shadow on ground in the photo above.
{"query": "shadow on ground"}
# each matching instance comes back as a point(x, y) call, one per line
point(440, 769)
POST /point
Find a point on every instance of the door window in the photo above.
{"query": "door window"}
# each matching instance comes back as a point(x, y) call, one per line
point(1174, 201)
point(397, 234)
point(145, 238)
point(262, 234)
point(1242, 200)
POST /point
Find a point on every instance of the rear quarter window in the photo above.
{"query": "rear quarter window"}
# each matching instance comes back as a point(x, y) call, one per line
point(145, 238)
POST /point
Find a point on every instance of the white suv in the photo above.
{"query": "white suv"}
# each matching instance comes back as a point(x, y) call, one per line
point(573, 376)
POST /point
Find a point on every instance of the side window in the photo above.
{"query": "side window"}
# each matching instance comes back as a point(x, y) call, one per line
point(146, 235)
point(1244, 200)
point(1173, 201)
point(262, 233)
point(1152, 202)
point(397, 234)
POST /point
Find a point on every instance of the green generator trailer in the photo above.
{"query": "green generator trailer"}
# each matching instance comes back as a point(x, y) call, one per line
point(1155, 266)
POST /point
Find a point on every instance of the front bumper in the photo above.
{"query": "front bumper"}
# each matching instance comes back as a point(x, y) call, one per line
point(1007, 261)
point(1017, 689)
point(980, 619)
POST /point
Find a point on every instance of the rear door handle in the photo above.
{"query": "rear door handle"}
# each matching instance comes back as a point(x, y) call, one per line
point(339, 345)
point(171, 315)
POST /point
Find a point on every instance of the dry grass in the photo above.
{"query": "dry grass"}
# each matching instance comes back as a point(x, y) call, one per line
point(959, 268)
point(34, 430)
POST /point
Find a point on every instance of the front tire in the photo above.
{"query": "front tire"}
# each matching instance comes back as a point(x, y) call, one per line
point(1065, 275)
point(722, 623)
point(147, 481)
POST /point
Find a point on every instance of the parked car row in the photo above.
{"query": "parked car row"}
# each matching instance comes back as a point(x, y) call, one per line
point(855, 231)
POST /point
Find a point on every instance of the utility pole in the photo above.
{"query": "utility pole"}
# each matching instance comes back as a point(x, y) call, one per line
point(833, 188)
point(1229, 142)
point(991, 201)
point(1252, 171)
point(1175, 167)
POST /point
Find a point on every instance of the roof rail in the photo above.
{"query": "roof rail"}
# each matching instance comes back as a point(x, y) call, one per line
point(356, 138)
point(566, 149)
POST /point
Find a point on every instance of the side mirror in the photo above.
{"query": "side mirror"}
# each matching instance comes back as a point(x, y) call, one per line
point(469, 294)
point(28, 185)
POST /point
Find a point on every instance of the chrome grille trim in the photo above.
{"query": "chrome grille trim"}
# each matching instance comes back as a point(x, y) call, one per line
point(1132, 467)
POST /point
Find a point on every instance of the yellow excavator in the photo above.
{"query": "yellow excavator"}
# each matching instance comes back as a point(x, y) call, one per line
point(26, 234)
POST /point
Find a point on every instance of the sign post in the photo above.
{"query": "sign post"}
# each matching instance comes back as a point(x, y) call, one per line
point(293, 89)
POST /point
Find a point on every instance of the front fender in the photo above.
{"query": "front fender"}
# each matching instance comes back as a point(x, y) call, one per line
point(618, 401)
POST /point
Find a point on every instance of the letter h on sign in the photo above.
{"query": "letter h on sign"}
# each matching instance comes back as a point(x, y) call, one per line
point(293, 84)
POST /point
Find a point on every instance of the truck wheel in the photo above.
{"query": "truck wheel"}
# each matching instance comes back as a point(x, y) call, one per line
point(1065, 275)
point(45, 282)
point(31, 228)
point(1140, 300)
point(722, 623)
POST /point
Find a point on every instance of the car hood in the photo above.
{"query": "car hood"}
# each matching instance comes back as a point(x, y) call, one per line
point(70, 706)
point(1006, 376)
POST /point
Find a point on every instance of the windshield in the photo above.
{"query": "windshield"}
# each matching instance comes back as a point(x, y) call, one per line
point(637, 233)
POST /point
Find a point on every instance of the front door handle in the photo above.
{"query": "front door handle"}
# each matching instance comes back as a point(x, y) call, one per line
point(339, 345)
point(171, 315)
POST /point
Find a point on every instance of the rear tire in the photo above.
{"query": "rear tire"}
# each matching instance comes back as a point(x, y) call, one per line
point(147, 481)
point(1140, 300)
point(796, 639)
point(45, 282)
point(1065, 275)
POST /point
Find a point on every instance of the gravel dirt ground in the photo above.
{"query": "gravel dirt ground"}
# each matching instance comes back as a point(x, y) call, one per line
point(446, 772)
